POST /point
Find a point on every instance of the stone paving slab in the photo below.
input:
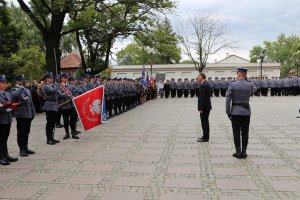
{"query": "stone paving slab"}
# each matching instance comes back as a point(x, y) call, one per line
point(151, 153)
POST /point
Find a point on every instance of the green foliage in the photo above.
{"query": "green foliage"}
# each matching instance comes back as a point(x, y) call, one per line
point(283, 50)
point(159, 45)
point(9, 35)
point(31, 36)
point(187, 62)
point(29, 62)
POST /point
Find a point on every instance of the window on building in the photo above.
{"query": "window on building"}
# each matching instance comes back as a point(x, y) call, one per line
point(170, 75)
point(121, 75)
point(220, 73)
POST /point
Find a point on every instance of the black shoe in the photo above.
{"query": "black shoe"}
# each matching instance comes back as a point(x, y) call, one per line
point(75, 137)
point(202, 140)
point(4, 161)
point(28, 151)
point(9, 158)
point(23, 153)
point(55, 140)
point(67, 136)
point(59, 126)
point(237, 155)
point(77, 132)
point(51, 142)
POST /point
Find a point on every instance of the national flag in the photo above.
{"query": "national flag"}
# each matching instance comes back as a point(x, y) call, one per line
point(89, 107)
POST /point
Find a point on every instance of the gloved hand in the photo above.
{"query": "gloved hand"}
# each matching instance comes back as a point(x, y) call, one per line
point(230, 117)
point(14, 105)
point(6, 105)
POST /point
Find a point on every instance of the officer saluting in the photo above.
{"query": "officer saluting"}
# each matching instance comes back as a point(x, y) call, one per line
point(51, 108)
point(24, 114)
point(238, 110)
point(6, 107)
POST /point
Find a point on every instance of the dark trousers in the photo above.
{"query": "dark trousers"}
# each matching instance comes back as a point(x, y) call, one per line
point(179, 93)
point(167, 93)
point(23, 130)
point(192, 93)
point(240, 127)
point(205, 124)
point(70, 118)
point(51, 117)
point(109, 106)
point(115, 106)
point(58, 117)
point(257, 93)
point(294, 90)
point(173, 93)
point(4, 133)
point(217, 92)
point(186, 93)
point(223, 92)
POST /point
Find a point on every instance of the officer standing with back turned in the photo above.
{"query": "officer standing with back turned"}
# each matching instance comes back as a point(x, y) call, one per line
point(238, 110)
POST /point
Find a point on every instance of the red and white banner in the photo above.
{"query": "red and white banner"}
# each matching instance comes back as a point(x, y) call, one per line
point(89, 107)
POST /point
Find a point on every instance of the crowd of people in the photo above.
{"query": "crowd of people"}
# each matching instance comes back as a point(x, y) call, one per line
point(53, 96)
point(289, 86)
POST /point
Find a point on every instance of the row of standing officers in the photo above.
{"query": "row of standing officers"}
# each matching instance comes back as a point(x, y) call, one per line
point(121, 95)
point(277, 87)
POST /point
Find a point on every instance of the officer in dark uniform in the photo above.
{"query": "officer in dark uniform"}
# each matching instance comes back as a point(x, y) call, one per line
point(186, 87)
point(6, 107)
point(51, 107)
point(238, 110)
point(173, 88)
point(217, 87)
point(66, 93)
point(179, 87)
point(24, 114)
point(192, 87)
point(167, 89)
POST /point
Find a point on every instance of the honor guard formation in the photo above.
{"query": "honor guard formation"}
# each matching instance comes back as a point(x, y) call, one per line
point(52, 96)
point(289, 86)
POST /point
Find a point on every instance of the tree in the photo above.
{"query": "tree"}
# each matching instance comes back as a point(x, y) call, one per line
point(203, 37)
point(116, 19)
point(159, 45)
point(49, 17)
point(9, 35)
point(29, 61)
point(30, 34)
point(282, 51)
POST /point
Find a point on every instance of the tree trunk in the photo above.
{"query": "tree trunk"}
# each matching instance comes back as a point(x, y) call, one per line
point(52, 43)
point(53, 54)
point(83, 64)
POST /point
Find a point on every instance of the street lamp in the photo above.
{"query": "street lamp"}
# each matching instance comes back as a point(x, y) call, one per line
point(262, 56)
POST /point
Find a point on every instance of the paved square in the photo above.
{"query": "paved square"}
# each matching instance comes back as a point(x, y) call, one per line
point(151, 153)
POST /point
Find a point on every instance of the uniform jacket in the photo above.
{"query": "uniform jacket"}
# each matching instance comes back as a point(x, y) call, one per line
point(51, 100)
point(239, 92)
point(5, 116)
point(23, 96)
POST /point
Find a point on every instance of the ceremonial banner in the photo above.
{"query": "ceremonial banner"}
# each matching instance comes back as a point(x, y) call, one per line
point(89, 107)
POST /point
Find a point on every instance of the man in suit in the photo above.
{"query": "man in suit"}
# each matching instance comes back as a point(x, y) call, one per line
point(24, 114)
point(238, 110)
point(204, 106)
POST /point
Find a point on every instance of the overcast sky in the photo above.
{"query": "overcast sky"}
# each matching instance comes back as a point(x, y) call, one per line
point(250, 22)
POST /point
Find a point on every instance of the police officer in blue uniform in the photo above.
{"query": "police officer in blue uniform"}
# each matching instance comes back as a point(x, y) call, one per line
point(6, 108)
point(50, 91)
point(238, 110)
point(24, 114)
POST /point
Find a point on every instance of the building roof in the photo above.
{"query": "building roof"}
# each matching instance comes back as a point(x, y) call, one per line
point(70, 61)
point(233, 59)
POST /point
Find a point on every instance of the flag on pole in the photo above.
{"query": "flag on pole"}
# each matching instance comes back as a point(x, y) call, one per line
point(89, 107)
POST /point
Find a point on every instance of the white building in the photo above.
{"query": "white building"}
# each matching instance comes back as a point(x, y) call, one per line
point(222, 69)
